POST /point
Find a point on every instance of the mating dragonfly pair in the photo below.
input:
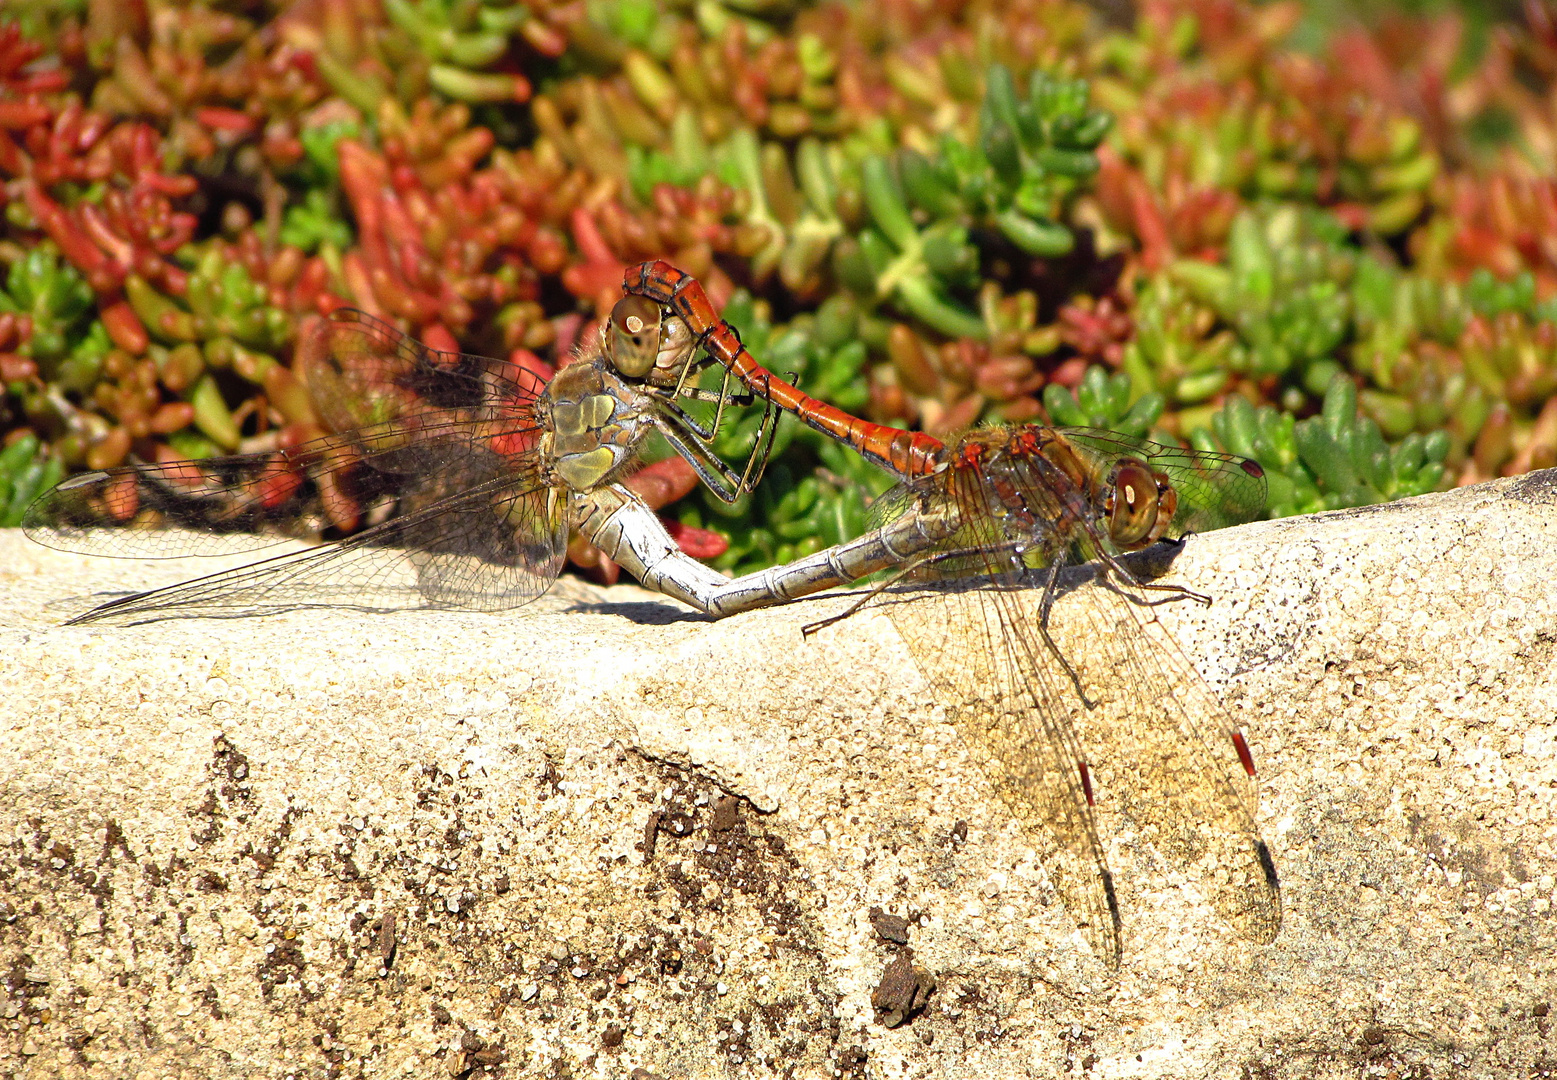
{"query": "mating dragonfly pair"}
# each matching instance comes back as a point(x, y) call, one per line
point(475, 471)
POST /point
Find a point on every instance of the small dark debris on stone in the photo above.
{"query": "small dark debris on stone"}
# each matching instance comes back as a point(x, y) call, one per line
point(1373, 1035)
point(727, 814)
point(890, 928)
point(670, 960)
point(386, 939)
point(211, 882)
point(473, 1053)
point(1542, 1009)
point(502, 884)
point(852, 1060)
point(643, 1074)
point(959, 833)
point(903, 992)
point(651, 834)
point(970, 996)
point(113, 837)
point(440, 1015)
point(612, 1036)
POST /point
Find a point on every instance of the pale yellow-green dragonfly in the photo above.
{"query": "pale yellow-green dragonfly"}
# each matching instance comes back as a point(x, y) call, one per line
point(468, 472)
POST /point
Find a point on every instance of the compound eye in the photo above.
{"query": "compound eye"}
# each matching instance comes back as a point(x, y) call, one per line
point(1133, 512)
point(635, 336)
point(676, 346)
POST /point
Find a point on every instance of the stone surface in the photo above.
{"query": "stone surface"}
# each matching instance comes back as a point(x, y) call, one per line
point(604, 834)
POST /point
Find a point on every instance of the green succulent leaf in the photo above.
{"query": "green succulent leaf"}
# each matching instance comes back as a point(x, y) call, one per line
point(1103, 400)
point(27, 470)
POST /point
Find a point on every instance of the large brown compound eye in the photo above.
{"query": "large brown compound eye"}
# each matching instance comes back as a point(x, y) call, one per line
point(1135, 507)
point(635, 336)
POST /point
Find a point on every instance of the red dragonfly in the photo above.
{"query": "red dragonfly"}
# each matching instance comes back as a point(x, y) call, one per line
point(1033, 666)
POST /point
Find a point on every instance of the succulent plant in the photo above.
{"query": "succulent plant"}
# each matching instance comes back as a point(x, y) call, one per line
point(26, 472)
point(1334, 257)
point(1336, 459)
point(1103, 401)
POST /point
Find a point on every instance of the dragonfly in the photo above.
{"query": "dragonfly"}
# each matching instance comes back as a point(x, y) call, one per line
point(456, 479)
point(1034, 666)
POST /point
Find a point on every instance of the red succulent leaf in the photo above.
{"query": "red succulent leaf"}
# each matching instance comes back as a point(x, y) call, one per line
point(698, 543)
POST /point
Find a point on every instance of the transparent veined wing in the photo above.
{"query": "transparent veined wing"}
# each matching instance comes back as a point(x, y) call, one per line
point(441, 455)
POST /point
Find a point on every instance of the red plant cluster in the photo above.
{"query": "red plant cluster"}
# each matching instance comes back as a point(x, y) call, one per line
point(160, 66)
point(1506, 223)
point(136, 227)
point(1097, 329)
point(132, 229)
point(1248, 117)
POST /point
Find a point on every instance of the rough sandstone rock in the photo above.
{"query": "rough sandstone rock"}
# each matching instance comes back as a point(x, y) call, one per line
point(435, 843)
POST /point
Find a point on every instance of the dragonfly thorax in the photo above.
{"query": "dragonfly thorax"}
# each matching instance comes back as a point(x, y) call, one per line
point(595, 425)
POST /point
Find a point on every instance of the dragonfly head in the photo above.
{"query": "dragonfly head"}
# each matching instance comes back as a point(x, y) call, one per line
point(1140, 504)
point(643, 342)
point(633, 338)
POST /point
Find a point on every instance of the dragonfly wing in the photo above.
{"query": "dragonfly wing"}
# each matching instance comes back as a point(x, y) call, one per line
point(492, 547)
point(1215, 490)
point(497, 554)
point(1165, 745)
point(1015, 710)
point(974, 640)
point(214, 506)
point(362, 372)
point(1042, 697)
point(413, 426)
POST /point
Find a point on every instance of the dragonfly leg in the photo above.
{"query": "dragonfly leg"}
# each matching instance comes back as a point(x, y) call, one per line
point(720, 478)
point(720, 398)
point(1045, 605)
point(876, 590)
point(1116, 577)
point(761, 450)
point(692, 439)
